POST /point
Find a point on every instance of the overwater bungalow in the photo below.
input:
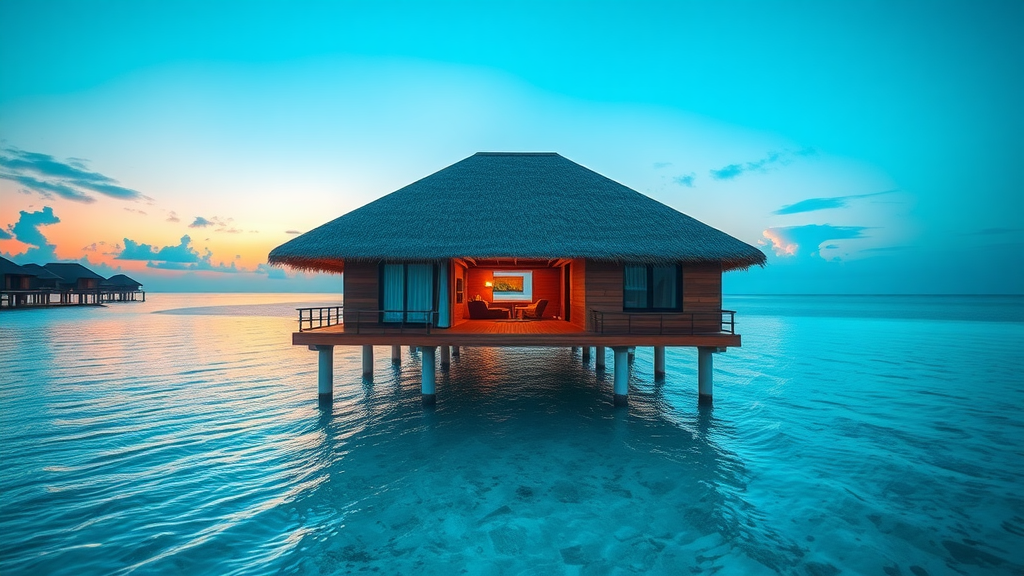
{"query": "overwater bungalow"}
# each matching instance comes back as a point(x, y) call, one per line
point(78, 284)
point(519, 249)
point(45, 280)
point(17, 282)
point(121, 288)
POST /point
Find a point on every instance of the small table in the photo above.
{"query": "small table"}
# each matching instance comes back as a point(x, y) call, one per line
point(511, 308)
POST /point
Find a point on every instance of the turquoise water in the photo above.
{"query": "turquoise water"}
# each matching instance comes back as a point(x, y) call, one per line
point(854, 435)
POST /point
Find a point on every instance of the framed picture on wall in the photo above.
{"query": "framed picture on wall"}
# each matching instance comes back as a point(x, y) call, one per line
point(458, 290)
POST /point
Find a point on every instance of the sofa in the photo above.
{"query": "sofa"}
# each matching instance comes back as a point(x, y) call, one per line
point(478, 310)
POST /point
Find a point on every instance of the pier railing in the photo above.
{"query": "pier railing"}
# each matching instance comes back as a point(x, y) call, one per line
point(319, 317)
point(47, 297)
point(721, 321)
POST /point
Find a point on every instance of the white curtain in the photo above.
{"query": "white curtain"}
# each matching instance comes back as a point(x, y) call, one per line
point(634, 286)
point(420, 291)
point(444, 297)
point(394, 292)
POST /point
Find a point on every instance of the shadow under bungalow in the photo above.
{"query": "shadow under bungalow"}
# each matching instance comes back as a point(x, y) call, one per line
point(519, 249)
point(62, 284)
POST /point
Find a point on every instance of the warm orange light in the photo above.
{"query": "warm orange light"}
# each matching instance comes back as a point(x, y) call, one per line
point(488, 284)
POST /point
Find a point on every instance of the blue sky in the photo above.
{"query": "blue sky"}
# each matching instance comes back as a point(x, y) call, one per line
point(865, 147)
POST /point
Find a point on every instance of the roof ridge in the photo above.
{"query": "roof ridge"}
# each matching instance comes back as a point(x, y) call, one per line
point(517, 154)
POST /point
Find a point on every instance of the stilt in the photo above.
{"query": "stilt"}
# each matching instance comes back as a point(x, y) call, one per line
point(586, 354)
point(455, 351)
point(367, 361)
point(632, 354)
point(412, 350)
point(446, 358)
point(621, 383)
point(659, 361)
point(704, 374)
point(396, 354)
point(325, 376)
point(427, 385)
point(599, 361)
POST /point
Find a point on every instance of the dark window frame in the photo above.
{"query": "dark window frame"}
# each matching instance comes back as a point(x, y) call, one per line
point(678, 276)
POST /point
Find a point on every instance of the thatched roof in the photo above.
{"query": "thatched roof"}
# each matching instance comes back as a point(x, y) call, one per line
point(42, 273)
point(508, 205)
point(8, 268)
point(70, 272)
point(121, 281)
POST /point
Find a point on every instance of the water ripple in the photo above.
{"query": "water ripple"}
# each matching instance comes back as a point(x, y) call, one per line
point(191, 441)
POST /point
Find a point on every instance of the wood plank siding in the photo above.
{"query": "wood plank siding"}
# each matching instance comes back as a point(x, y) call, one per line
point(702, 288)
point(603, 287)
point(361, 287)
point(578, 295)
point(702, 292)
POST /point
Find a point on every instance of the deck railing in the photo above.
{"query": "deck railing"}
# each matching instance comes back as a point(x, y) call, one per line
point(721, 321)
point(392, 321)
point(369, 321)
point(319, 317)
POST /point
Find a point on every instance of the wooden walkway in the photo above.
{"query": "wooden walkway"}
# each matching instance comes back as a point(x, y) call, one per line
point(542, 333)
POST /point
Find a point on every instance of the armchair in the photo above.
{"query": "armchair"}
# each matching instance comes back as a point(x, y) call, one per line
point(535, 310)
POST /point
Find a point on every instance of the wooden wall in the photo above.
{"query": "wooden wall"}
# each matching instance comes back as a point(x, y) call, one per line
point(702, 292)
point(361, 290)
point(702, 288)
point(604, 286)
point(546, 285)
point(459, 312)
point(578, 295)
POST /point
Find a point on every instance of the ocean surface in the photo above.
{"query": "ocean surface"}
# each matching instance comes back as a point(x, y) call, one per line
point(849, 435)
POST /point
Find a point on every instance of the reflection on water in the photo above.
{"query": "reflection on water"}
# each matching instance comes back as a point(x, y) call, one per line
point(193, 441)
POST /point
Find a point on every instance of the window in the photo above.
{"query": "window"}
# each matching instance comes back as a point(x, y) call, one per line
point(651, 288)
point(512, 286)
point(407, 292)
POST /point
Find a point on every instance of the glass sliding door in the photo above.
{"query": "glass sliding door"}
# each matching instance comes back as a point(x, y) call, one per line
point(407, 292)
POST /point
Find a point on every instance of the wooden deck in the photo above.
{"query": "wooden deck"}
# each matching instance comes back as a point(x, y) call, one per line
point(550, 333)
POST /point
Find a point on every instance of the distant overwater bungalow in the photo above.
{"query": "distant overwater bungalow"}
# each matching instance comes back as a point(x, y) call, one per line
point(34, 286)
point(519, 249)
